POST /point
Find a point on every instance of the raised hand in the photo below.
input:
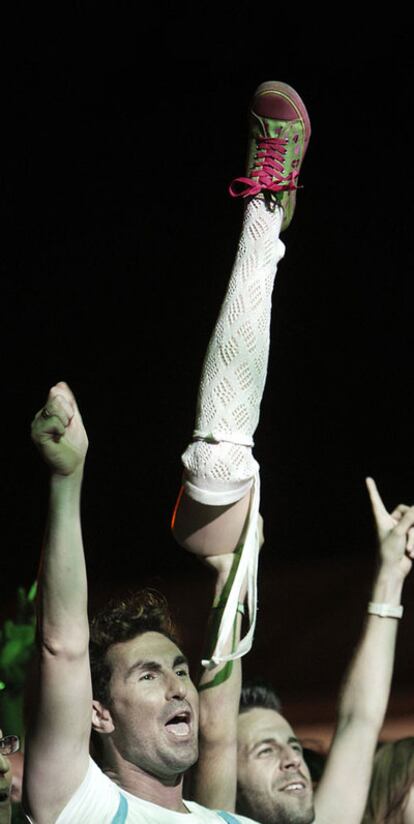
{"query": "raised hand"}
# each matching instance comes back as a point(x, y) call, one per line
point(395, 531)
point(59, 433)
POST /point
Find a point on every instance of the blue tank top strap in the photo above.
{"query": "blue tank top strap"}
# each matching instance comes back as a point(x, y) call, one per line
point(120, 816)
point(122, 812)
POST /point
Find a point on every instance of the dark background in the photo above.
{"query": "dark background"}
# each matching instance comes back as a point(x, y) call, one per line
point(119, 237)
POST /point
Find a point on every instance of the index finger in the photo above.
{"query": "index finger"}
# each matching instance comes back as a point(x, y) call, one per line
point(378, 507)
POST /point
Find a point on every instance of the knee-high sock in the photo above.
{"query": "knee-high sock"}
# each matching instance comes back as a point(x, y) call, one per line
point(219, 464)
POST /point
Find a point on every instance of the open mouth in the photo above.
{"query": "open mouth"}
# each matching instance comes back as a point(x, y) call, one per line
point(179, 724)
point(4, 796)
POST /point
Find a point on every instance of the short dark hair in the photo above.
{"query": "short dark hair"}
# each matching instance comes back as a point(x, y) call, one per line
point(257, 693)
point(121, 620)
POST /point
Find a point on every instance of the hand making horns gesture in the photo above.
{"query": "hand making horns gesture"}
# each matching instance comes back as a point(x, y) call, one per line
point(395, 531)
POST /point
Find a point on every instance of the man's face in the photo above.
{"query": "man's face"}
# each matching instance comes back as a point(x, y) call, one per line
point(274, 785)
point(154, 706)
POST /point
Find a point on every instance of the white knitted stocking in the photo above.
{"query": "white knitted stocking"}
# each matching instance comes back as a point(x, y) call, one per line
point(219, 465)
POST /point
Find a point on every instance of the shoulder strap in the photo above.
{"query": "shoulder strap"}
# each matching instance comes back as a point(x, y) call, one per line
point(120, 816)
point(122, 812)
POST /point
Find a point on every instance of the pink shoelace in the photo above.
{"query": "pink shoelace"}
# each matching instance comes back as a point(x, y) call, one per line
point(268, 169)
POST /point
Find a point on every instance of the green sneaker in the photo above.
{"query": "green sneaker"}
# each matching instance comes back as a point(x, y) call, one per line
point(279, 135)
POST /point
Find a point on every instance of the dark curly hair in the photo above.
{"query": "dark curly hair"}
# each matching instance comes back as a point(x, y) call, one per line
point(121, 620)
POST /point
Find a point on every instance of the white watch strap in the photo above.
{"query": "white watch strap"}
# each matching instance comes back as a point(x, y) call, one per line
point(385, 610)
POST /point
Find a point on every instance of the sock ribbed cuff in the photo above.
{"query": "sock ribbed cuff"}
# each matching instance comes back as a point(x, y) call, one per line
point(215, 493)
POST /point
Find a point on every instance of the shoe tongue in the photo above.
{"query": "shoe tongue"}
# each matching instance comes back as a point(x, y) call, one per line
point(268, 127)
point(263, 127)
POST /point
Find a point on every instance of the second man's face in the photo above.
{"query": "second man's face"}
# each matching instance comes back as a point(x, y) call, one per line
point(274, 785)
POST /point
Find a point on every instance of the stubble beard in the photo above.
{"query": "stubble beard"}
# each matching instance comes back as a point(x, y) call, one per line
point(285, 817)
point(171, 766)
point(178, 759)
point(268, 811)
point(164, 761)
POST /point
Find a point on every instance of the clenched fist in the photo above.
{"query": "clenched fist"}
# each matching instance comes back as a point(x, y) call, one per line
point(59, 433)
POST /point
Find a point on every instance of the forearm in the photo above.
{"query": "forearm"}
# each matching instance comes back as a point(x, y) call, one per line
point(215, 776)
point(362, 708)
point(366, 688)
point(223, 683)
point(57, 743)
point(367, 685)
point(62, 578)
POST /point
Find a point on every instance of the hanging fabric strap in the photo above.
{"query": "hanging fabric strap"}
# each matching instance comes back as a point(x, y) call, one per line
point(248, 564)
point(120, 816)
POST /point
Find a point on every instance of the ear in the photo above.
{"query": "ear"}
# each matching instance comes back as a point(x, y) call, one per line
point(101, 718)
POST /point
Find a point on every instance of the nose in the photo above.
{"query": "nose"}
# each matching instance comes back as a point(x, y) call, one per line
point(176, 687)
point(291, 758)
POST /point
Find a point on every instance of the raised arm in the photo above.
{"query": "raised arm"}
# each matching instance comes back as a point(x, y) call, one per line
point(215, 774)
point(57, 744)
point(342, 793)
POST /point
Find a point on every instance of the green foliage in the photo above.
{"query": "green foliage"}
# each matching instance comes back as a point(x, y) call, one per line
point(17, 641)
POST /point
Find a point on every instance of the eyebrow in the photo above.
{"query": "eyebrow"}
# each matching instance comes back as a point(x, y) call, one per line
point(272, 740)
point(154, 666)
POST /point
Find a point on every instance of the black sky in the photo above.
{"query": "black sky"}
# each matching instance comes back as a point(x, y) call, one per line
point(118, 240)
